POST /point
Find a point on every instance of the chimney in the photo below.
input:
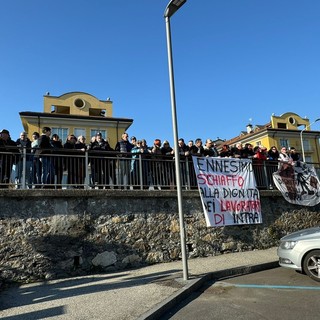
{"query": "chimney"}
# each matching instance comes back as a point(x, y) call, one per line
point(249, 128)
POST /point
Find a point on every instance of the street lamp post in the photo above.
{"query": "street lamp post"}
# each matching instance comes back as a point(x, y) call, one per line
point(302, 146)
point(171, 8)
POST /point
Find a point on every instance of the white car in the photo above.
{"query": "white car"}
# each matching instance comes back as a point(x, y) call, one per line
point(301, 251)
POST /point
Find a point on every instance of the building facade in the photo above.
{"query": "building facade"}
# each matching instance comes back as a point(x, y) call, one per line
point(289, 130)
point(76, 113)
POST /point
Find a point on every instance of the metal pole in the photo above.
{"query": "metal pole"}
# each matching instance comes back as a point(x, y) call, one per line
point(176, 152)
point(24, 166)
point(87, 178)
point(302, 146)
point(140, 172)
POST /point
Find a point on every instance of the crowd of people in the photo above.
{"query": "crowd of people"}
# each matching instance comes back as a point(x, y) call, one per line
point(43, 167)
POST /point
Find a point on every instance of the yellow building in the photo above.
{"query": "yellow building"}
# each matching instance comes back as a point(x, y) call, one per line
point(287, 130)
point(76, 113)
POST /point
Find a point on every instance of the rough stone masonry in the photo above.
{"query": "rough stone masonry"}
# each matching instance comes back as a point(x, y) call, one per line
point(48, 234)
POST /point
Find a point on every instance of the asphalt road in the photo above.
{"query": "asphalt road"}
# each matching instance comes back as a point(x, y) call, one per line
point(273, 294)
point(143, 293)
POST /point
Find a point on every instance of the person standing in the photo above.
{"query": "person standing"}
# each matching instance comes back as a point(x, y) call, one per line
point(124, 148)
point(58, 159)
point(157, 164)
point(46, 158)
point(294, 155)
point(8, 155)
point(184, 154)
point(283, 156)
point(146, 164)
point(135, 165)
point(273, 154)
point(71, 164)
point(225, 151)
point(168, 165)
point(101, 164)
point(81, 148)
point(24, 145)
point(286, 172)
point(36, 163)
point(248, 152)
point(133, 141)
point(210, 150)
point(237, 152)
point(197, 149)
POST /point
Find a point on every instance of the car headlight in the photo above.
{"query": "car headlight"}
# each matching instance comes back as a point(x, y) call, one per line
point(288, 245)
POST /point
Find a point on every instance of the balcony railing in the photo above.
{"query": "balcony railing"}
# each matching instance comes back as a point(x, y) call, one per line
point(65, 169)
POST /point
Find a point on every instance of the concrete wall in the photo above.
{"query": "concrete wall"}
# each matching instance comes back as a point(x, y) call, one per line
point(46, 234)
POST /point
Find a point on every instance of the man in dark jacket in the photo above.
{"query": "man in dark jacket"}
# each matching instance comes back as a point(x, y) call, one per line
point(102, 167)
point(8, 157)
point(124, 148)
point(24, 144)
point(46, 158)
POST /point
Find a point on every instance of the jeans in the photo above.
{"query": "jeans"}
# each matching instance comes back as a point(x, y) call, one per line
point(47, 170)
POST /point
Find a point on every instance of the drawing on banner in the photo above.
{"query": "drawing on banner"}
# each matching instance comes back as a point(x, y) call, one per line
point(228, 191)
point(298, 183)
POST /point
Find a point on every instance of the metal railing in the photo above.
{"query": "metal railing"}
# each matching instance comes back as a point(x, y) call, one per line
point(65, 169)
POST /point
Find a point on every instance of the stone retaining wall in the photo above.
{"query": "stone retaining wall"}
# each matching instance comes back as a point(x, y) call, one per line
point(48, 234)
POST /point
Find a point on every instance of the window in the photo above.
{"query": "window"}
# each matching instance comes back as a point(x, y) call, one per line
point(306, 145)
point(282, 125)
point(284, 143)
point(97, 112)
point(308, 158)
point(93, 132)
point(61, 132)
point(60, 109)
point(292, 120)
point(79, 132)
point(79, 103)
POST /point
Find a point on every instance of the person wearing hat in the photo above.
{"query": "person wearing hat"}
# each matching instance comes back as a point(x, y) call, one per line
point(133, 141)
point(8, 157)
point(5, 131)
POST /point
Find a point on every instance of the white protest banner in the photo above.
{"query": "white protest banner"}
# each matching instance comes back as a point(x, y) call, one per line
point(228, 191)
point(298, 183)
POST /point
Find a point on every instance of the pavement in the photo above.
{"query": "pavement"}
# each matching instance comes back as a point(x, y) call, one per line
point(144, 293)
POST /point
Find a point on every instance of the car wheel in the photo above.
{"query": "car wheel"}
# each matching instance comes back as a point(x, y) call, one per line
point(311, 265)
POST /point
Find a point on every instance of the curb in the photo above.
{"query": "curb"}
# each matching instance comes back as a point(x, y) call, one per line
point(192, 285)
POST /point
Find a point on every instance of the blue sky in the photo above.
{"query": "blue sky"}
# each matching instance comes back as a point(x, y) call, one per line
point(233, 61)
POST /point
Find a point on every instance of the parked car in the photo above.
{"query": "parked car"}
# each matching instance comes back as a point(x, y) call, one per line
point(300, 251)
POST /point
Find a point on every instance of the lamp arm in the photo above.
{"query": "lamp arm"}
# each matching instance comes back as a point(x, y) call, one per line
point(304, 129)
